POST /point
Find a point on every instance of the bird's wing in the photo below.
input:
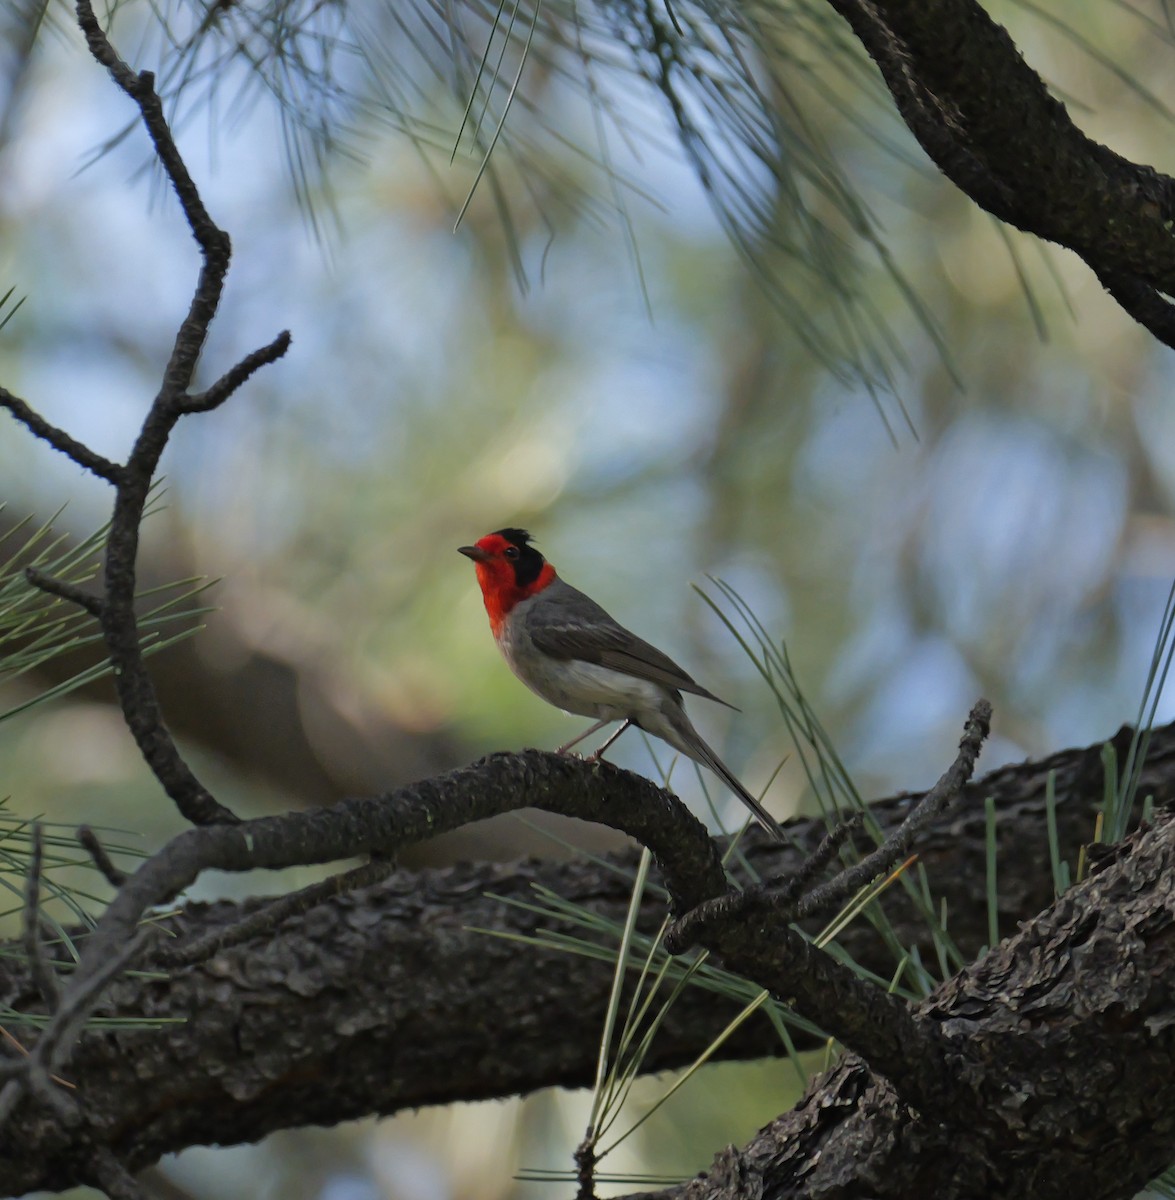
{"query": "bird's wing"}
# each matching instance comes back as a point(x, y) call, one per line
point(568, 624)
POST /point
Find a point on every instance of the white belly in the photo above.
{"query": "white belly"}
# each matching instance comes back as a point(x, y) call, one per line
point(584, 688)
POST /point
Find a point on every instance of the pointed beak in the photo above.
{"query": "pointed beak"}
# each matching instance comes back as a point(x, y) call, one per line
point(474, 552)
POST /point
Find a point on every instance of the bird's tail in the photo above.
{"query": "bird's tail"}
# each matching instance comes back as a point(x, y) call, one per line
point(680, 733)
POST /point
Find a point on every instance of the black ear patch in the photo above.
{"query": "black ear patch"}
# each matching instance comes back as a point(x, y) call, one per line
point(529, 562)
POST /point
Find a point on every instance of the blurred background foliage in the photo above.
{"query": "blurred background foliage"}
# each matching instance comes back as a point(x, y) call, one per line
point(756, 336)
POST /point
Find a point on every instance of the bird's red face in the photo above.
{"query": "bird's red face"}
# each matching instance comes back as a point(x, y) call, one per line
point(509, 569)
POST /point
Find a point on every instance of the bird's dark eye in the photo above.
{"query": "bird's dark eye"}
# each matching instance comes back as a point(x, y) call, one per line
point(511, 552)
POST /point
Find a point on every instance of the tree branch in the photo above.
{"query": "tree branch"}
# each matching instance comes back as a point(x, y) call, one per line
point(40, 968)
point(65, 591)
point(794, 900)
point(1063, 1036)
point(232, 379)
point(114, 1179)
point(85, 458)
point(269, 916)
point(115, 610)
point(988, 121)
point(1144, 302)
point(750, 931)
point(380, 825)
point(91, 843)
point(392, 997)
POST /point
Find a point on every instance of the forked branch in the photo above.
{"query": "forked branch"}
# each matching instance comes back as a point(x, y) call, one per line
point(115, 608)
point(751, 931)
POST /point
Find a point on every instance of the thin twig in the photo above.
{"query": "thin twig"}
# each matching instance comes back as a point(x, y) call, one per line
point(232, 379)
point(101, 962)
point(89, 841)
point(43, 975)
point(794, 885)
point(65, 591)
point(27, 1076)
point(140, 87)
point(774, 954)
point(60, 440)
point(43, 1086)
point(13, 1089)
point(585, 1169)
point(8, 1069)
point(78, 1001)
point(789, 904)
point(136, 691)
point(897, 846)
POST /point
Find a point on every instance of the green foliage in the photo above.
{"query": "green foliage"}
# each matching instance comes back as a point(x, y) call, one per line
point(12, 309)
point(1163, 1186)
point(1123, 795)
point(66, 900)
point(829, 780)
point(36, 628)
point(1120, 785)
point(505, 91)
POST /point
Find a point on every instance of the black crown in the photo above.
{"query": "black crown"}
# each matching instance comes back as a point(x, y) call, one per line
point(516, 537)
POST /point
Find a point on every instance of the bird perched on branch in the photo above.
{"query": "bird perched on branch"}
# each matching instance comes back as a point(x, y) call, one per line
point(569, 651)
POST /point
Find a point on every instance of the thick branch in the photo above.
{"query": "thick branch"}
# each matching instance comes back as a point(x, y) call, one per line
point(268, 917)
point(989, 123)
point(382, 825)
point(1064, 1038)
point(1144, 302)
point(390, 998)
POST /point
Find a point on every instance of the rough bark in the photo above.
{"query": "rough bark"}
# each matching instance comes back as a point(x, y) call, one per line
point(388, 998)
point(1061, 1061)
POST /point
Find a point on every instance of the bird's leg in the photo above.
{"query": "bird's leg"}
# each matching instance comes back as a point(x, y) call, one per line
point(596, 757)
point(586, 734)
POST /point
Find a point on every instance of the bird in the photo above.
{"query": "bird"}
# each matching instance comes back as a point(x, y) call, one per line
point(576, 656)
